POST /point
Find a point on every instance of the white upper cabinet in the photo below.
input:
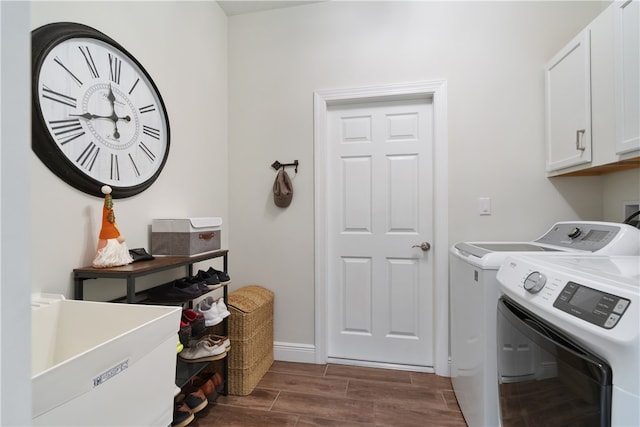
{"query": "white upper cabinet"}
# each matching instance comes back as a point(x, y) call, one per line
point(568, 109)
point(592, 97)
point(627, 75)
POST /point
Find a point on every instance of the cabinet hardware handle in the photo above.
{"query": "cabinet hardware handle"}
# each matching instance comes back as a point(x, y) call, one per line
point(579, 145)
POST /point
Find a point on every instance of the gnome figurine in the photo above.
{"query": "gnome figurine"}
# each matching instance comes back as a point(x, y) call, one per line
point(112, 250)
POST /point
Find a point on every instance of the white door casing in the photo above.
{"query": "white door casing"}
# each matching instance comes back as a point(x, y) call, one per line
point(416, 277)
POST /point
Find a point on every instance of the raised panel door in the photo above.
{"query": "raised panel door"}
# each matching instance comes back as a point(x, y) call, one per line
point(627, 67)
point(568, 105)
point(380, 288)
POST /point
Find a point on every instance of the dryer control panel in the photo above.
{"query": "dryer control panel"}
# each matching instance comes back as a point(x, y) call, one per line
point(584, 236)
point(594, 306)
point(604, 238)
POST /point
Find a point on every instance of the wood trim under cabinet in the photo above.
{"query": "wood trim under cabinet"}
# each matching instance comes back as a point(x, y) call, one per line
point(618, 166)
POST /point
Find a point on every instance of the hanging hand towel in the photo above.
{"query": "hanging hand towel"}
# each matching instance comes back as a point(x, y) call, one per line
point(282, 189)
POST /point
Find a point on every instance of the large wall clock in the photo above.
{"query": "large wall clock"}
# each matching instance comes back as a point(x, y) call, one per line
point(97, 116)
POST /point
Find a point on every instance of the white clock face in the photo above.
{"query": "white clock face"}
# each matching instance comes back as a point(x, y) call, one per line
point(102, 112)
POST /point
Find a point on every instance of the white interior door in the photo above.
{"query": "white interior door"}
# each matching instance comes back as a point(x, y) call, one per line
point(380, 204)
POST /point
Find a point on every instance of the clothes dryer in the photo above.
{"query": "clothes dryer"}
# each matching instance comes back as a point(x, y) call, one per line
point(474, 293)
point(580, 315)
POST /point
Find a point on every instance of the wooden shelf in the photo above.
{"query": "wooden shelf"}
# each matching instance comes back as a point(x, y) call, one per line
point(132, 271)
point(142, 297)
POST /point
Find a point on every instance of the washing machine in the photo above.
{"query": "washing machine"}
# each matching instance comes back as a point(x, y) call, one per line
point(474, 293)
point(581, 316)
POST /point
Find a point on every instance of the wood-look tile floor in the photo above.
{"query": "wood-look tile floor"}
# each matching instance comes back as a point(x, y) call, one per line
point(304, 395)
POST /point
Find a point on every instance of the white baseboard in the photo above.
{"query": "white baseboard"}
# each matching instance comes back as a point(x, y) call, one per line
point(381, 365)
point(306, 353)
point(294, 352)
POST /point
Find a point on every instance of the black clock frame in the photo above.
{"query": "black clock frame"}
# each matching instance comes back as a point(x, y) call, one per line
point(43, 39)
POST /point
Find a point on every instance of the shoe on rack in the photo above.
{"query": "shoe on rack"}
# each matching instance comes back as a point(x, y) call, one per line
point(182, 415)
point(209, 309)
point(184, 284)
point(203, 351)
point(218, 382)
point(221, 275)
point(184, 334)
point(219, 340)
point(222, 308)
point(210, 383)
point(196, 401)
point(171, 293)
point(179, 346)
point(210, 280)
point(196, 320)
point(208, 388)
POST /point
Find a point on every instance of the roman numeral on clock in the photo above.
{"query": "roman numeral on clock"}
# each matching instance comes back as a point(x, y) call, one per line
point(152, 132)
point(135, 167)
point(89, 60)
point(115, 167)
point(147, 152)
point(66, 130)
point(115, 66)
point(147, 109)
point(58, 97)
point(73, 76)
point(88, 157)
point(134, 86)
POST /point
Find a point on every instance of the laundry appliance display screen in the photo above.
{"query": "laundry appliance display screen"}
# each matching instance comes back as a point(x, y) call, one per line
point(585, 298)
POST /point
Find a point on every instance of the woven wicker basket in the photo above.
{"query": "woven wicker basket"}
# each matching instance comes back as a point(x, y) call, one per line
point(251, 335)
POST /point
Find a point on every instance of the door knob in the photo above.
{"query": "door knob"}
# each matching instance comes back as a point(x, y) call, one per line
point(425, 246)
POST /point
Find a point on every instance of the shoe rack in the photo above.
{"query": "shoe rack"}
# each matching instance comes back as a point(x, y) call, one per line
point(185, 372)
point(133, 271)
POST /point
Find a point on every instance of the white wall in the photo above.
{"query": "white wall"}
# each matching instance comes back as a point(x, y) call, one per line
point(15, 295)
point(491, 53)
point(620, 187)
point(183, 46)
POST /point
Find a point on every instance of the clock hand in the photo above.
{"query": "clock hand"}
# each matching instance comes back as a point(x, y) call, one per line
point(112, 117)
point(90, 116)
point(112, 98)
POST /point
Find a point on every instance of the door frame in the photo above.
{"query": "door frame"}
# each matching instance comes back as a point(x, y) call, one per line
point(323, 99)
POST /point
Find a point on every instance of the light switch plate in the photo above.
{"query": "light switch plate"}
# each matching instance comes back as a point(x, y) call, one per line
point(484, 206)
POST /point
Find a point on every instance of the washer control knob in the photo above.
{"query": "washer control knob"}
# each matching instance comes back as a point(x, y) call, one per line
point(535, 282)
point(575, 232)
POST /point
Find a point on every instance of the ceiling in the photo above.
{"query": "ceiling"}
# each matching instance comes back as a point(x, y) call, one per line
point(240, 7)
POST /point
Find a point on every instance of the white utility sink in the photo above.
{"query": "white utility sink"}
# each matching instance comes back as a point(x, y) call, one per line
point(96, 363)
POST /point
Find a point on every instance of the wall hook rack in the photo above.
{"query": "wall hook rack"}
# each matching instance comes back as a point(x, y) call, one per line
point(277, 165)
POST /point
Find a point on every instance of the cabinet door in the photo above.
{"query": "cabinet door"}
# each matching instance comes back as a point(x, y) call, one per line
point(568, 105)
point(627, 79)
